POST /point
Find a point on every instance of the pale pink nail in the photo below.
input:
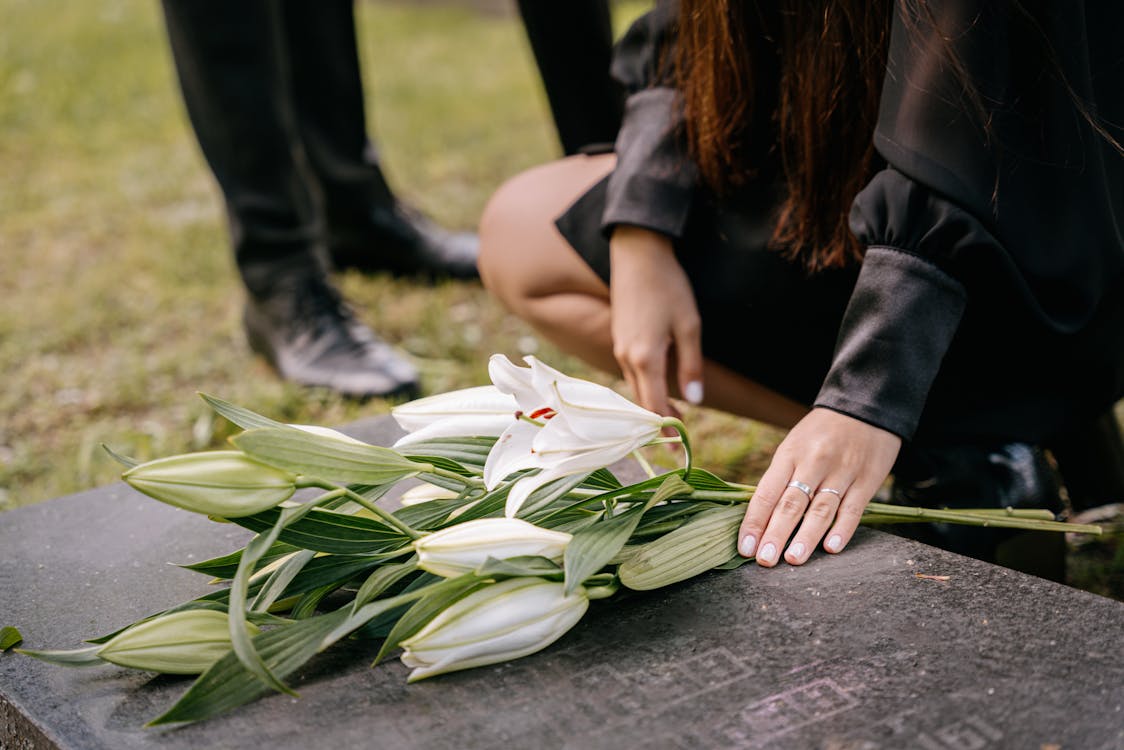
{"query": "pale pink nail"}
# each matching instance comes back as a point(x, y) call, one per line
point(768, 553)
point(835, 543)
point(747, 545)
point(796, 551)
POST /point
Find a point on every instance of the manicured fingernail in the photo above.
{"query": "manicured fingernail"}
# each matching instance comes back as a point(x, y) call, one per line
point(768, 553)
point(747, 546)
point(796, 551)
point(693, 392)
point(834, 543)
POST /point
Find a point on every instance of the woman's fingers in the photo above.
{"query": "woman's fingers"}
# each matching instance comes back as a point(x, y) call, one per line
point(850, 513)
point(822, 477)
point(819, 516)
point(761, 505)
point(687, 335)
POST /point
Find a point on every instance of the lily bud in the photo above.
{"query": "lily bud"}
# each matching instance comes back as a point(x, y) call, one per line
point(482, 411)
point(229, 484)
point(423, 493)
point(506, 620)
point(180, 643)
point(466, 546)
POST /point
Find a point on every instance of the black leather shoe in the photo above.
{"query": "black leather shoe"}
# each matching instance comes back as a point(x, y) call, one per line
point(398, 239)
point(1011, 475)
point(308, 334)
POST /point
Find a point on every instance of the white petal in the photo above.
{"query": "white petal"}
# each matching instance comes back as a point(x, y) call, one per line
point(510, 378)
point(511, 453)
point(466, 425)
point(523, 488)
point(480, 400)
point(590, 408)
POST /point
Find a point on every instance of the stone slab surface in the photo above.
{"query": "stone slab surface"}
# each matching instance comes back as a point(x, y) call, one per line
point(853, 652)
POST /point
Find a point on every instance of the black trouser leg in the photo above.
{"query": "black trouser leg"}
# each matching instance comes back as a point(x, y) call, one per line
point(572, 42)
point(232, 69)
point(327, 101)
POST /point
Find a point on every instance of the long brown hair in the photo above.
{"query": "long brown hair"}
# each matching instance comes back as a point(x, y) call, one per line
point(832, 61)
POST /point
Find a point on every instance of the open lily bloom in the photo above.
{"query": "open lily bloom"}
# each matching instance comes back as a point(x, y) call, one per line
point(573, 426)
point(483, 411)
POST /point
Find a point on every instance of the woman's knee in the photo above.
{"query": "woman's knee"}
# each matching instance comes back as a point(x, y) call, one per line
point(521, 252)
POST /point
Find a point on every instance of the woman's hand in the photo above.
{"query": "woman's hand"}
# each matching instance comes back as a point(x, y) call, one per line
point(653, 314)
point(825, 451)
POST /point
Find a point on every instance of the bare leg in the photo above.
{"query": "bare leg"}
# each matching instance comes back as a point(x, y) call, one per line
point(537, 275)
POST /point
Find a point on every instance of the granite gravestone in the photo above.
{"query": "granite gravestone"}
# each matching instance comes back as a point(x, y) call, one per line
point(857, 651)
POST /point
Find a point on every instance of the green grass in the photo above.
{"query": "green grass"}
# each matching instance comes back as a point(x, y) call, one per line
point(119, 300)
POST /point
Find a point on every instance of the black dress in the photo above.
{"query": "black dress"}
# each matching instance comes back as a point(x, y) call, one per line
point(989, 305)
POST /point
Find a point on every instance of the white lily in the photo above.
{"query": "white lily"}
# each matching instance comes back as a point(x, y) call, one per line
point(483, 411)
point(572, 426)
point(503, 621)
point(466, 546)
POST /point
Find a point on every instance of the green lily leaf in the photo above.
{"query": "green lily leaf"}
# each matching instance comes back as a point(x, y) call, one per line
point(594, 546)
point(519, 567)
point(381, 580)
point(125, 461)
point(602, 479)
point(431, 513)
point(280, 579)
point(243, 418)
point(9, 637)
point(468, 452)
point(701, 479)
point(226, 566)
point(326, 457)
point(307, 604)
point(330, 531)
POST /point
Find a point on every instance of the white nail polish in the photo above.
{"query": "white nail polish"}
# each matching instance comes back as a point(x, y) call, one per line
point(693, 392)
point(768, 553)
point(747, 546)
point(796, 551)
point(834, 543)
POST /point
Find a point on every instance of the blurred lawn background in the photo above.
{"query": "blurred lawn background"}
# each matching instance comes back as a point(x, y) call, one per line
point(119, 299)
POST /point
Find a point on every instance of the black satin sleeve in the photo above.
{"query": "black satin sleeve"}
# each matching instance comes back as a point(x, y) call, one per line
point(1022, 185)
point(654, 182)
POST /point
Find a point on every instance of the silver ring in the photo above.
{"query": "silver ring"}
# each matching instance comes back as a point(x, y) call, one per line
point(837, 493)
point(807, 490)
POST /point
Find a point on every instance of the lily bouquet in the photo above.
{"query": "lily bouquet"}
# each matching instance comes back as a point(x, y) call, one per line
point(516, 524)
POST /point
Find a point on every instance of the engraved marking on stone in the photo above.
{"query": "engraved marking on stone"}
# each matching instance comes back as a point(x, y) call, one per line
point(970, 733)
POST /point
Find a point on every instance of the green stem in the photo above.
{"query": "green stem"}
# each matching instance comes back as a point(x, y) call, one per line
point(682, 430)
point(447, 474)
point(728, 495)
point(647, 467)
point(385, 516)
point(971, 518)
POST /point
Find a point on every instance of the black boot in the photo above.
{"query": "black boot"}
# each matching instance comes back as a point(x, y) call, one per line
point(366, 227)
point(306, 331)
point(398, 239)
point(1011, 475)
